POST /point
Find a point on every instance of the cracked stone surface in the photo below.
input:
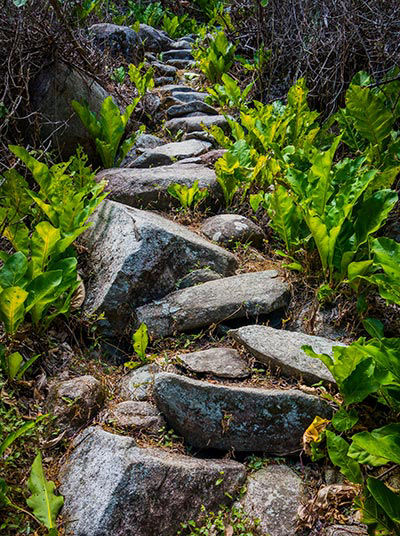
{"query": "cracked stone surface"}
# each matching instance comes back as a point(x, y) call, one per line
point(220, 362)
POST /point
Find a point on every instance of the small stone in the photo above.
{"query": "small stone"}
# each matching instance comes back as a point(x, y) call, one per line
point(273, 496)
point(138, 384)
point(161, 81)
point(196, 277)
point(194, 124)
point(161, 69)
point(136, 416)
point(194, 107)
point(227, 229)
point(181, 64)
point(220, 362)
point(75, 402)
point(241, 418)
point(190, 96)
point(241, 296)
point(282, 349)
point(177, 54)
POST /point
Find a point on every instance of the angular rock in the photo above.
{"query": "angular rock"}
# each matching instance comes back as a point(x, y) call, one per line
point(161, 81)
point(181, 64)
point(154, 40)
point(182, 44)
point(196, 277)
point(52, 92)
point(230, 228)
point(176, 88)
point(273, 496)
point(177, 54)
point(112, 487)
point(282, 349)
point(194, 107)
point(136, 416)
point(161, 69)
point(119, 40)
point(75, 402)
point(136, 256)
point(148, 187)
point(240, 296)
point(149, 159)
point(148, 141)
point(194, 124)
point(171, 152)
point(220, 362)
point(138, 384)
point(189, 96)
point(245, 419)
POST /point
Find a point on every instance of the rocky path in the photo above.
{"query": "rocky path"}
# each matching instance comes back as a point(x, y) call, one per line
point(143, 267)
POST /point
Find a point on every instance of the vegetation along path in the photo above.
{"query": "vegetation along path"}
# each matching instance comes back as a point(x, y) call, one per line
point(201, 337)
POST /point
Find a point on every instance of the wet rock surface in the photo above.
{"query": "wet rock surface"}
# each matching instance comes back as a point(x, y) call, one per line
point(245, 419)
point(111, 486)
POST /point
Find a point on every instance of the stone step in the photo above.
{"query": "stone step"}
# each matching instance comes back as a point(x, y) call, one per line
point(189, 96)
point(174, 88)
point(181, 64)
point(240, 418)
point(182, 44)
point(240, 296)
point(219, 362)
point(194, 107)
point(135, 256)
point(282, 349)
point(163, 81)
point(113, 487)
point(161, 69)
point(177, 54)
point(144, 188)
point(193, 124)
point(172, 152)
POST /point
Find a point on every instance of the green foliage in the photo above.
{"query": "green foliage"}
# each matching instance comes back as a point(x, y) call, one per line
point(13, 365)
point(179, 25)
point(228, 94)
point(218, 523)
point(140, 341)
point(367, 374)
point(217, 59)
point(107, 129)
point(119, 74)
point(188, 196)
point(43, 501)
point(143, 82)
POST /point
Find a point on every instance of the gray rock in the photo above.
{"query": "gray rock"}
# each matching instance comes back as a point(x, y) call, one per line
point(345, 530)
point(119, 40)
point(273, 496)
point(194, 107)
point(111, 486)
point(149, 159)
point(188, 38)
point(148, 187)
point(52, 92)
point(149, 56)
point(148, 141)
point(176, 88)
point(161, 81)
point(189, 96)
point(182, 44)
point(136, 256)
point(181, 64)
point(230, 228)
point(245, 419)
point(196, 277)
point(75, 402)
point(138, 384)
point(154, 40)
point(194, 124)
point(220, 362)
point(240, 296)
point(136, 417)
point(200, 135)
point(174, 151)
point(161, 69)
point(177, 54)
point(282, 349)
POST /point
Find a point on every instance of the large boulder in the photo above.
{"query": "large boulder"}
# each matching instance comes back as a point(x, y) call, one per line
point(112, 487)
point(273, 496)
point(136, 256)
point(240, 418)
point(241, 296)
point(282, 349)
point(51, 94)
point(144, 188)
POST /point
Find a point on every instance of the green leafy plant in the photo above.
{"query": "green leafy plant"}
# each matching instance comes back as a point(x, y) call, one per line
point(140, 341)
point(143, 81)
point(13, 365)
point(219, 523)
point(188, 196)
point(108, 129)
point(217, 58)
point(119, 75)
point(368, 375)
point(229, 94)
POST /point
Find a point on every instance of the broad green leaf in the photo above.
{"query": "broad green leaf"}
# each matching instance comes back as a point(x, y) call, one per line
point(17, 433)
point(344, 420)
point(40, 171)
point(386, 498)
point(337, 450)
point(44, 242)
point(374, 327)
point(383, 443)
point(14, 361)
point(42, 292)
point(12, 309)
point(365, 379)
point(43, 502)
point(13, 270)
point(140, 341)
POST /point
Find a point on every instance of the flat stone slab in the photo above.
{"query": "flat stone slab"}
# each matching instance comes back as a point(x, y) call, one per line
point(273, 496)
point(227, 229)
point(135, 417)
point(220, 362)
point(245, 419)
point(189, 96)
point(112, 487)
point(181, 64)
point(138, 384)
point(177, 54)
point(240, 296)
point(194, 124)
point(144, 188)
point(176, 151)
point(174, 88)
point(197, 107)
point(135, 256)
point(282, 349)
